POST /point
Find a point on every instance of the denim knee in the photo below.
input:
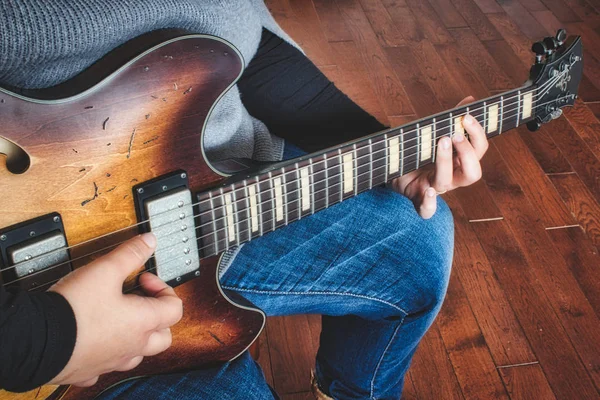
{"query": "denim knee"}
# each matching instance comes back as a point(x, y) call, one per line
point(427, 246)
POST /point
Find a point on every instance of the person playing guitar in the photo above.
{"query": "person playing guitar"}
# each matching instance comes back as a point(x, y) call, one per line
point(375, 266)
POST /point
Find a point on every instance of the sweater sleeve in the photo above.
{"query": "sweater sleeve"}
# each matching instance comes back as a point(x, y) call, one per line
point(37, 337)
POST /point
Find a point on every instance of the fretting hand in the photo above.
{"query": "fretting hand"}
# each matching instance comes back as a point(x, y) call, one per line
point(115, 331)
point(449, 171)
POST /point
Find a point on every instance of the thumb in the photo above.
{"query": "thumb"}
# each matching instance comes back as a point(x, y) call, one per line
point(466, 100)
point(167, 307)
point(130, 255)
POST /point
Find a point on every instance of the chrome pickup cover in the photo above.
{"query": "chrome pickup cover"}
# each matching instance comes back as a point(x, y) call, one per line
point(171, 219)
point(38, 254)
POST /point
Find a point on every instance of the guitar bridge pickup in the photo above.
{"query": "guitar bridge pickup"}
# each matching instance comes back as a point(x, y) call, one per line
point(34, 254)
point(165, 205)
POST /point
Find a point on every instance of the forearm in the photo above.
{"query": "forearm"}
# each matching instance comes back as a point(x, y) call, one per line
point(37, 337)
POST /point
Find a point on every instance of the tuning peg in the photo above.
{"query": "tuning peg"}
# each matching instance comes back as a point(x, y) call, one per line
point(561, 36)
point(534, 125)
point(551, 45)
point(539, 48)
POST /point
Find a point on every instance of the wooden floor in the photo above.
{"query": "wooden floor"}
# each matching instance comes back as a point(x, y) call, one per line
point(520, 319)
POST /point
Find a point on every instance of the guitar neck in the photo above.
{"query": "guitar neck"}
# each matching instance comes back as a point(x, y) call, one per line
point(290, 190)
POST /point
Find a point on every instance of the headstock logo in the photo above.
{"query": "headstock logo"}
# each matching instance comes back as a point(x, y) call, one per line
point(563, 82)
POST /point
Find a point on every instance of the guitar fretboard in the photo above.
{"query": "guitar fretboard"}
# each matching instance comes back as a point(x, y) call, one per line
point(291, 190)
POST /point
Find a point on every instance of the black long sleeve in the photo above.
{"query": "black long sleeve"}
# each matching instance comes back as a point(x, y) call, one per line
point(37, 337)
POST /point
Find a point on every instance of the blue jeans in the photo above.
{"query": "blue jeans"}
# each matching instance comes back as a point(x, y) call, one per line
point(373, 268)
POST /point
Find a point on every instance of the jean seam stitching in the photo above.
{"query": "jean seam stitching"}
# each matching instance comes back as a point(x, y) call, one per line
point(381, 359)
point(361, 296)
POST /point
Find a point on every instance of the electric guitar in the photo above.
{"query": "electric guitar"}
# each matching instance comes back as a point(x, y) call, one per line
point(117, 150)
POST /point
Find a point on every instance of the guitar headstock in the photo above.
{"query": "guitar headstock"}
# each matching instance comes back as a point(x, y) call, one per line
point(555, 75)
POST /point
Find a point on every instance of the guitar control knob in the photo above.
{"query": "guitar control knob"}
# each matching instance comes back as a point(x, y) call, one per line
point(534, 125)
point(561, 36)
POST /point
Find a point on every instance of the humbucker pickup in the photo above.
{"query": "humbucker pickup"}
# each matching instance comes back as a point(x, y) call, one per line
point(34, 253)
point(165, 205)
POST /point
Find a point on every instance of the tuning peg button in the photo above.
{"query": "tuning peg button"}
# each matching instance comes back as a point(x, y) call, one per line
point(561, 36)
point(551, 44)
point(539, 48)
point(534, 125)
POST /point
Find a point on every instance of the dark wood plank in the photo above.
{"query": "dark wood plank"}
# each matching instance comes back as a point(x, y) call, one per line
point(382, 23)
point(577, 150)
point(514, 37)
point(527, 382)
point(581, 203)
point(467, 348)
point(583, 259)
point(334, 27)
point(545, 150)
point(564, 294)
point(413, 80)
point(543, 328)
point(381, 74)
point(595, 108)
point(488, 6)
point(489, 72)
point(562, 11)
point(462, 71)
point(430, 22)
point(292, 353)
point(264, 357)
point(409, 393)
point(477, 20)
point(448, 13)
point(439, 78)
point(354, 79)
point(523, 19)
point(533, 5)
point(538, 189)
point(430, 361)
point(299, 19)
point(404, 20)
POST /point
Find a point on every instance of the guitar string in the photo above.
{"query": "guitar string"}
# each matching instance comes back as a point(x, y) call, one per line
point(112, 246)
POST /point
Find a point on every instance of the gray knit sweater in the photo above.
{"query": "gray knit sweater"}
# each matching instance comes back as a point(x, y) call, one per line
point(46, 42)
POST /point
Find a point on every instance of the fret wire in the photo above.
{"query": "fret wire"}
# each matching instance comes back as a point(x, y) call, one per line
point(355, 170)
point(518, 108)
point(326, 169)
point(261, 221)
point(224, 210)
point(387, 150)
point(433, 140)
point(401, 153)
point(310, 184)
point(284, 195)
point(248, 211)
point(419, 144)
point(300, 195)
point(342, 177)
point(501, 114)
point(370, 163)
point(484, 117)
point(214, 221)
point(273, 206)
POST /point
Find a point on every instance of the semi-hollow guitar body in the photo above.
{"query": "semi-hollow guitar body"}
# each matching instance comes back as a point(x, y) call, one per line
point(138, 114)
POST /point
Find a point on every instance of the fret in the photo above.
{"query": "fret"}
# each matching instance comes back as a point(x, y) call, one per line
point(294, 193)
point(284, 195)
point(347, 170)
point(426, 149)
point(355, 169)
point(443, 128)
point(364, 171)
point(492, 118)
point(304, 192)
point(418, 146)
point(501, 114)
point(518, 108)
point(371, 163)
point(411, 155)
point(434, 141)
point(319, 187)
point(341, 175)
point(392, 155)
point(229, 217)
point(326, 169)
point(265, 202)
point(277, 199)
point(401, 152)
point(334, 178)
point(218, 207)
point(312, 175)
point(484, 112)
point(252, 205)
point(208, 232)
point(236, 216)
point(527, 105)
point(379, 149)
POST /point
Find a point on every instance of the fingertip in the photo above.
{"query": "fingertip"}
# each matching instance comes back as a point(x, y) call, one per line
point(430, 192)
point(149, 239)
point(152, 284)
